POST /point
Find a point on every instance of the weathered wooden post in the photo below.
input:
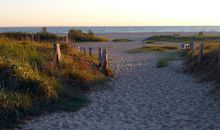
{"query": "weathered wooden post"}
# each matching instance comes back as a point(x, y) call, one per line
point(90, 51)
point(193, 46)
point(81, 49)
point(67, 38)
point(104, 62)
point(84, 50)
point(54, 48)
point(100, 56)
point(78, 48)
point(200, 57)
point(57, 53)
point(32, 37)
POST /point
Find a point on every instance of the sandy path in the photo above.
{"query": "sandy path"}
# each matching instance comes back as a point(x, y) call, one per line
point(141, 97)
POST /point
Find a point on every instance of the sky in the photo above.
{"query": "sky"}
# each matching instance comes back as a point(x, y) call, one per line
point(109, 12)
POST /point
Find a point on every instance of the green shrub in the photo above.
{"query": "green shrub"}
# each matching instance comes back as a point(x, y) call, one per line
point(121, 40)
point(79, 36)
point(17, 35)
point(149, 42)
point(48, 37)
point(40, 36)
point(162, 63)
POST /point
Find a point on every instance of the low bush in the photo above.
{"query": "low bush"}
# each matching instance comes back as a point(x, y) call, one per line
point(46, 37)
point(162, 63)
point(149, 42)
point(40, 36)
point(79, 36)
point(154, 48)
point(121, 40)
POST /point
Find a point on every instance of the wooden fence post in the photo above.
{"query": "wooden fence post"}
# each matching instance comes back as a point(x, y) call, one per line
point(104, 59)
point(67, 38)
point(78, 48)
point(54, 48)
point(100, 56)
point(32, 37)
point(90, 51)
point(84, 50)
point(193, 46)
point(200, 57)
point(81, 49)
point(57, 53)
point(219, 59)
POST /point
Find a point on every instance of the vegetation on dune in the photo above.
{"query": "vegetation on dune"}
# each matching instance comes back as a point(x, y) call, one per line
point(40, 36)
point(31, 83)
point(79, 36)
point(169, 38)
point(169, 56)
point(122, 40)
point(153, 48)
point(162, 63)
point(207, 70)
point(74, 35)
point(149, 42)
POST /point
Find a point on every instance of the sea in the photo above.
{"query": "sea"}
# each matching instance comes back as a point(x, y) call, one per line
point(111, 29)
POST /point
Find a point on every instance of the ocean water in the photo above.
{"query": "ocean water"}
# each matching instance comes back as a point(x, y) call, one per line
point(136, 29)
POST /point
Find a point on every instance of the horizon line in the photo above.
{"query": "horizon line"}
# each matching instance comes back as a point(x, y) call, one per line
point(117, 26)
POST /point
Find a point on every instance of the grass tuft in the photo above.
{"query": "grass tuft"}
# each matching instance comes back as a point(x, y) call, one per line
point(153, 48)
point(121, 40)
point(162, 63)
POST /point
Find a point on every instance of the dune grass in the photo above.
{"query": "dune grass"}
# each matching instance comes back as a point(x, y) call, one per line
point(79, 36)
point(74, 35)
point(122, 40)
point(207, 70)
point(158, 48)
point(169, 56)
point(162, 63)
point(170, 38)
point(28, 36)
point(31, 83)
point(149, 42)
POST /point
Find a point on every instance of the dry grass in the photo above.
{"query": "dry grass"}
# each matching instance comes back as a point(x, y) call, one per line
point(207, 70)
point(30, 83)
point(153, 48)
